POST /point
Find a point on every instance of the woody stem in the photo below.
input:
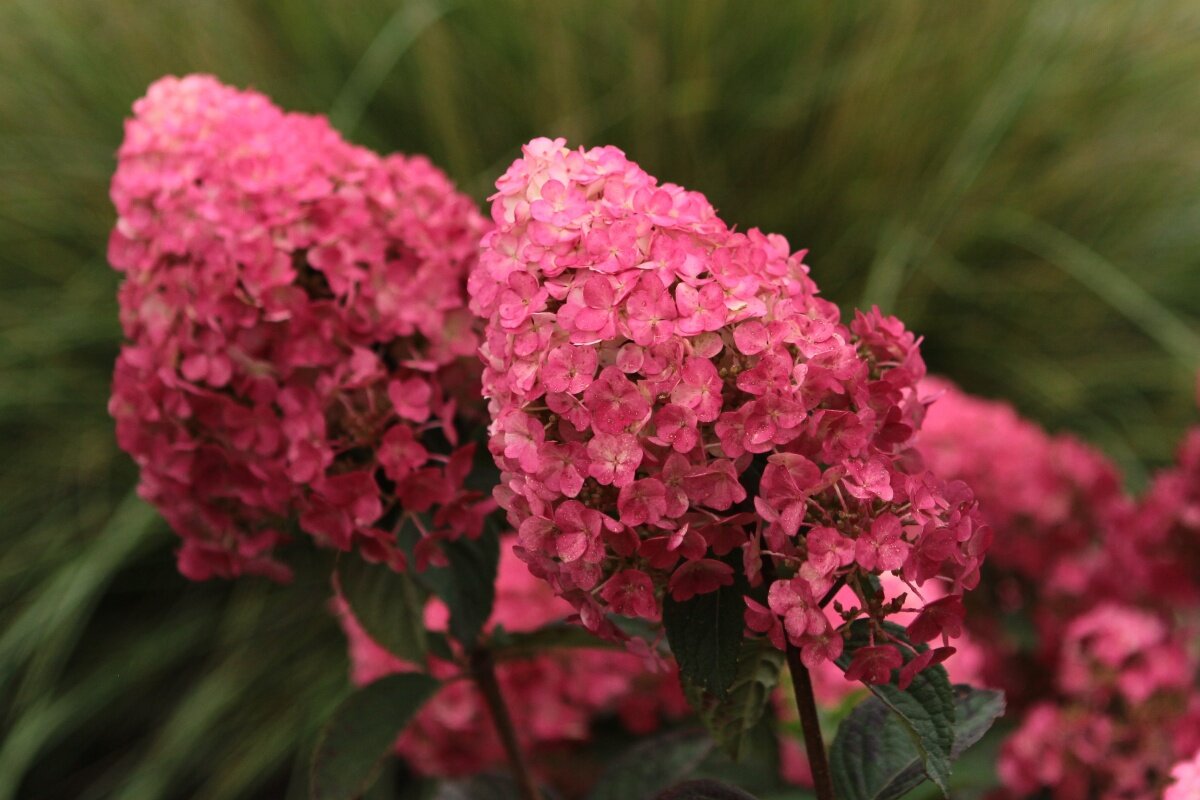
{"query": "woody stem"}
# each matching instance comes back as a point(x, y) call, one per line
point(483, 669)
point(810, 724)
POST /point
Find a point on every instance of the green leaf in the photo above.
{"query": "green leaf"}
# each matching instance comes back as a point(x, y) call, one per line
point(361, 734)
point(652, 765)
point(730, 718)
point(873, 756)
point(975, 711)
point(925, 710)
point(703, 789)
point(468, 584)
point(389, 606)
point(489, 786)
point(556, 635)
point(705, 633)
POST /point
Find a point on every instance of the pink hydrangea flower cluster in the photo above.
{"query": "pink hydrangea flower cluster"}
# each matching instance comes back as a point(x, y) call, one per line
point(1052, 502)
point(1127, 709)
point(1046, 497)
point(295, 314)
point(554, 697)
point(1157, 551)
point(1110, 687)
point(640, 356)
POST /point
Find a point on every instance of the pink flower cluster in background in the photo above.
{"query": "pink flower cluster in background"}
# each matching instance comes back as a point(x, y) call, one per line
point(640, 356)
point(554, 697)
point(298, 342)
point(1126, 710)
point(1109, 687)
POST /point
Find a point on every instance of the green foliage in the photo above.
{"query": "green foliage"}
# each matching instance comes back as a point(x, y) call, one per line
point(468, 585)
point(897, 141)
point(705, 634)
point(924, 713)
point(389, 606)
point(874, 757)
point(653, 764)
point(362, 732)
point(703, 789)
point(731, 717)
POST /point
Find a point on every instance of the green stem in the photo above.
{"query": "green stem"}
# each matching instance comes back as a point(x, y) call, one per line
point(483, 669)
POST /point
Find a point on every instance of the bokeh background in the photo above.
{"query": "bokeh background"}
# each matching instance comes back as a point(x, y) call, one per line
point(1019, 180)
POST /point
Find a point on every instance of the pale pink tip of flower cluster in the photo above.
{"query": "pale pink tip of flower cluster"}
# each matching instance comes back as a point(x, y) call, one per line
point(295, 314)
point(1185, 780)
point(554, 697)
point(640, 356)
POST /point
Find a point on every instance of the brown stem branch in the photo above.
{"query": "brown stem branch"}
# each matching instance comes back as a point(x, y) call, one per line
point(810, 724)
point(484, 671)
point(806, 703)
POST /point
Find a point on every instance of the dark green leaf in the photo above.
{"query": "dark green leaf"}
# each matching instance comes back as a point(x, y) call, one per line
point(975, 711)
point(484, 787)
point(651, 765)
point(468, 584)
point(389, 606)
point(361, 734)
point(925, 709)
point(731, 717)
point(556, 635)
point(874, 758)
point(705, 632)
point(703, 789)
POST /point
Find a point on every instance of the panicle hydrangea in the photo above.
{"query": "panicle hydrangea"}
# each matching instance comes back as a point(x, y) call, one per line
point(1185, 780)
point(645, 364)
point(554, 697)
point(1126, 710)
point(1052, 502)
point(1158, 549)
point(1046, 497)
point(296, 325)
point(1111, 689)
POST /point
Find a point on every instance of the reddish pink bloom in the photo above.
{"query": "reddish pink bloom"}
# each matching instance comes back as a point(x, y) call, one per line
point(940, 618)
point(874, 664)
point(631, 592)
point(699, 577)
point(720, 370)
point(295, 322)
point(880, 547)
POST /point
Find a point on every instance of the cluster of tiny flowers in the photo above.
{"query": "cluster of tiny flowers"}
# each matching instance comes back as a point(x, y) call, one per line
point(1044, 496)
point(554, 696)
point(1158, 549)
point(645, 364)
point(1109, 687)
point(295, 314)
point(1127, 710)
point(1052, 502)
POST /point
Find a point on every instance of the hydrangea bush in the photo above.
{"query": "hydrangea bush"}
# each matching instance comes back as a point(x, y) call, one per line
point(705, 479)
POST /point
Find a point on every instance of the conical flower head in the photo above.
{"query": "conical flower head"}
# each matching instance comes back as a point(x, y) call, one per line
point(294, 314)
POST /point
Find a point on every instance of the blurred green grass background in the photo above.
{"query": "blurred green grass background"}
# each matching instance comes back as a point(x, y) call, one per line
point(1019, 180)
